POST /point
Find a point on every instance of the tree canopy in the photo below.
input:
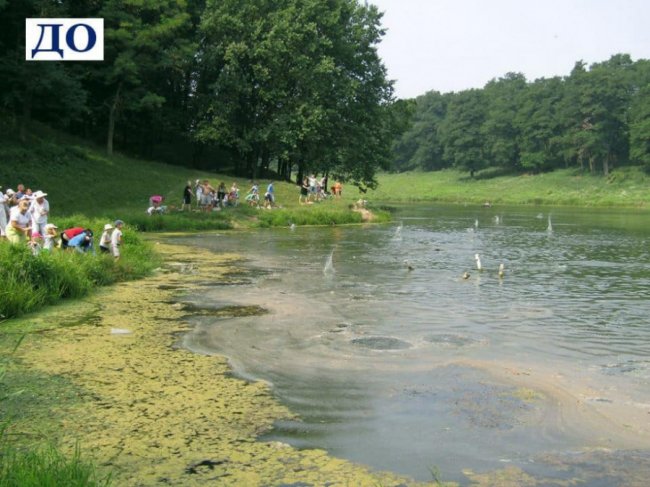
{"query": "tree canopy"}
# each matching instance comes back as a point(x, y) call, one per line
point(293, 85)
point(595, 118)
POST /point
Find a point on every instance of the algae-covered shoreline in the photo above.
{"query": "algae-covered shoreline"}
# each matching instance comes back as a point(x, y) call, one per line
point(148, 411)
point(106, 373)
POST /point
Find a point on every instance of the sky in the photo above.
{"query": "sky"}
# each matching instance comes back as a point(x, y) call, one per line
point(454, 45)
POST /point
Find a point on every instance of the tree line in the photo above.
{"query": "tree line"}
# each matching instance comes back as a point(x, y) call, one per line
point(594, 119)
point(248, 87)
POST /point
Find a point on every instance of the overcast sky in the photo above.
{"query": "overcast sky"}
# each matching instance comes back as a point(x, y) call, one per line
point(453, 45)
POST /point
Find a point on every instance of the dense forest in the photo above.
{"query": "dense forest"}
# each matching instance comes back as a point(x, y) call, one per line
point(595, 118)
point(248, 87)
point(287, 87)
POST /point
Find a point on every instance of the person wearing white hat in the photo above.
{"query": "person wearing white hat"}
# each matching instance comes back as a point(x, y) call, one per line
point(49, 237)
point(116, 239)
point(105, 239)
point(40, 209)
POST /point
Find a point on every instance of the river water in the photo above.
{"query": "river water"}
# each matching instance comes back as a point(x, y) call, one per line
point(395, 351)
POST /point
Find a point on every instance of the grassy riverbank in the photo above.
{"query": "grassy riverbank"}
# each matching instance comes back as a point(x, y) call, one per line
point(87, 188)
point(83, 182)
point(624, 187)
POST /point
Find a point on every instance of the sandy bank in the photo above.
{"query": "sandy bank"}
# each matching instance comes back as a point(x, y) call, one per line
point(155, 414)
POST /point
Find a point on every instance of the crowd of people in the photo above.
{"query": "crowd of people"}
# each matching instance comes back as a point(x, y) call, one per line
point(313, 189)
point(203, 196)
point(207, 198)
point(24, 220)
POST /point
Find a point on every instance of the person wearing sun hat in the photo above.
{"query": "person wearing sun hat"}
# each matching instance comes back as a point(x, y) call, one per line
point(40, 209)
point(49, 237)
point(116, 238)
point(105, 239)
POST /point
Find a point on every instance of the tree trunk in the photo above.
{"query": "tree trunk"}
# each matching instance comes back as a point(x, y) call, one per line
point(266, 161)
point(301, 170)
point(112, 115)
point(606, 164)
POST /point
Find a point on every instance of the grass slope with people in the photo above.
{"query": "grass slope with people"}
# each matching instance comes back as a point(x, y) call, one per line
point(85, 188)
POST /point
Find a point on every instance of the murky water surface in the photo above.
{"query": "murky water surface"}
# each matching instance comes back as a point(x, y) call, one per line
point(394, 358)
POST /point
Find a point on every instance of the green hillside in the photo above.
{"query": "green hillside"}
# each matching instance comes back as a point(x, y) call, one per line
point(624, 187)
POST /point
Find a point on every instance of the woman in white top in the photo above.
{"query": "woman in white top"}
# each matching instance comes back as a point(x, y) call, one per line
point(40, 209)
point(18, 228)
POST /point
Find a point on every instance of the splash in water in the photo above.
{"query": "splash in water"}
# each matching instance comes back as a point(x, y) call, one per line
point(398, 232)
point(328, 269)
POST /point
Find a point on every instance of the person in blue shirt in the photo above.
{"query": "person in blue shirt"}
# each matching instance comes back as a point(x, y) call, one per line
point(269, 196)
point(82, 242)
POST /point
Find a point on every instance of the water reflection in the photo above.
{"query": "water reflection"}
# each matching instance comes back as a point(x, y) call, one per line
point(409, 368)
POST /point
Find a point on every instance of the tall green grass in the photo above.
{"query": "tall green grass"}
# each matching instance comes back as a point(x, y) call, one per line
point(46, 467)
point(322, 214)
point(30, 282)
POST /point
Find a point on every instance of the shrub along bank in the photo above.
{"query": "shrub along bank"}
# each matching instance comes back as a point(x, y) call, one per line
point(30, 282)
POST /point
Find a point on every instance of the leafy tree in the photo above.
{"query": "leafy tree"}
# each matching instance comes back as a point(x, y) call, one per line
point(502, 135)
point(49, 91)
point(420, 145)
point(142, 45)
point(296, 80)
point(640, 115)
point(540, 129)
point(599, 99)
point(461, 132)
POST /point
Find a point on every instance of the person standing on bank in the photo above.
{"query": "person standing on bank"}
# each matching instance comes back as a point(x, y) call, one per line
point(105, 239)
point(187, 197)
point(40, 209)
point(18, 229)
point(116, 239)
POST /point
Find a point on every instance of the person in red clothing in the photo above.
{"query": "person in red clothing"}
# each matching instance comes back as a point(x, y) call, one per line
point(68, 234)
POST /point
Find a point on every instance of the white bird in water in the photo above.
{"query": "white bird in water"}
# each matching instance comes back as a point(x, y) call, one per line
point(476, 223)
point(497, 219)
point(549, 228)
point(478, 262)
point(292, 226)
point(408, 265)
point(502, 270)
point(466, 275)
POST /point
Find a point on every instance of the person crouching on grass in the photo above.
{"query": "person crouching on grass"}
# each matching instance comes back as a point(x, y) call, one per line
point(116, 239)
point(82, 242)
